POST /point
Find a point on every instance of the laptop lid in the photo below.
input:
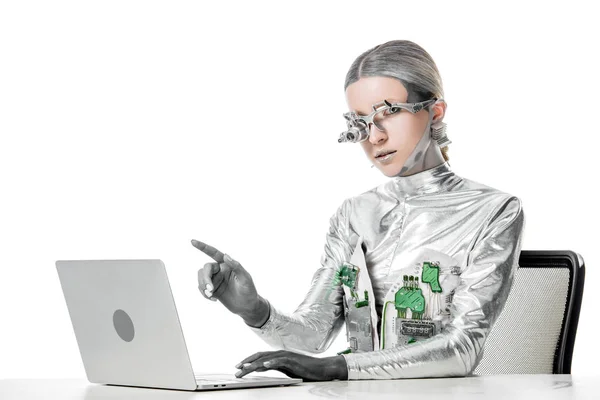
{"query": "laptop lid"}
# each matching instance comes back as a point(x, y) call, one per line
point(125, 322)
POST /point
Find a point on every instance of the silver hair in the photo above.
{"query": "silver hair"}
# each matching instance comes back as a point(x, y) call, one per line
point(406, 61)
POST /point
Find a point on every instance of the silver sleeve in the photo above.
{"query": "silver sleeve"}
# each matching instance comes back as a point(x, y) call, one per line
point(480, 297)
point(313, 326)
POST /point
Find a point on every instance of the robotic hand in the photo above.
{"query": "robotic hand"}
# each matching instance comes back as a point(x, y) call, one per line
point(230, 283)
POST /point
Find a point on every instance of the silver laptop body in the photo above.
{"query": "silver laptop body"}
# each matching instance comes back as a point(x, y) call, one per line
point(128, 331)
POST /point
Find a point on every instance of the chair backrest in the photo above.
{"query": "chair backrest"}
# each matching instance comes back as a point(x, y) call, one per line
point(535, 332)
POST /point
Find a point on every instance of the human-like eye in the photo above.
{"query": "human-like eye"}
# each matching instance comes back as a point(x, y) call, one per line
point(392, 110)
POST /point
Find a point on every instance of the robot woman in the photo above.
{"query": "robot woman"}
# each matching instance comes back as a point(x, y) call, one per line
point(419, 268)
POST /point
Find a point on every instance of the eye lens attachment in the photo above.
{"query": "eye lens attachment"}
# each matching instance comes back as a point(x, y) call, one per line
point(357, 129)
point(353, 135)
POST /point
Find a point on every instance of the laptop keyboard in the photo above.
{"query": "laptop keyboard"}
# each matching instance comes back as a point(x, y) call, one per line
point(223, 378)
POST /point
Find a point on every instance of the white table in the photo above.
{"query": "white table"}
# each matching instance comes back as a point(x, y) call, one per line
point(512, 387)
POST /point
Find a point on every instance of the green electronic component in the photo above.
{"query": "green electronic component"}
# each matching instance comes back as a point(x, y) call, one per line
point(416, 315)
point(348, 275)
point(431, 275)
point(410, 297)
point(412, 340)
point(347, 351)
point(364, 302)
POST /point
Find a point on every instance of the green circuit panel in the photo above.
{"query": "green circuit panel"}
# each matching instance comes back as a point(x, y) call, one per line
point(410, 297)
point(431, 275)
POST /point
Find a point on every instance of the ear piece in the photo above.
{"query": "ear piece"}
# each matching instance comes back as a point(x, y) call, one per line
point(438, 133)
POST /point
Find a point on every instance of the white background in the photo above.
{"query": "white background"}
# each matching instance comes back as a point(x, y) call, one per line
point(129, 128)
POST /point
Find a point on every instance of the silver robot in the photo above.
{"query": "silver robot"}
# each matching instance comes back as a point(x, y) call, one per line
point(475, 228)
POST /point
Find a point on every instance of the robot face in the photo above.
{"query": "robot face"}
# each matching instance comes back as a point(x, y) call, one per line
point(358, 126)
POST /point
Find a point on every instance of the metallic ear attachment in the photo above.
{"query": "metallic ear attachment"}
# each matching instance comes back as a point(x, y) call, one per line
point(438, 133)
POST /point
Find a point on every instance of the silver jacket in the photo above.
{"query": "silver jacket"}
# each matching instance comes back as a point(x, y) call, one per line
point(480, 227)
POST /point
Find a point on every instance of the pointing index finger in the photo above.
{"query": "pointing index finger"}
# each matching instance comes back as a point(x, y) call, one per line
point(209, 251)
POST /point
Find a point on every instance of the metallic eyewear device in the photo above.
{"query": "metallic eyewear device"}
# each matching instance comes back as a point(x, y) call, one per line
point(358, 125)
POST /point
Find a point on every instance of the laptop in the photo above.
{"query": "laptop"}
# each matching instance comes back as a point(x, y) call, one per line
point(128, 330)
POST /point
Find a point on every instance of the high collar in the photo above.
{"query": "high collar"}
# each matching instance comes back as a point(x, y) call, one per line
point(431, 180)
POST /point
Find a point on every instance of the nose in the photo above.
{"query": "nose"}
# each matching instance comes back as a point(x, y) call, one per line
point(375, 135)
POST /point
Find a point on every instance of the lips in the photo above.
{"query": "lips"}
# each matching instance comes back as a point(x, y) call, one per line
point(386, 153)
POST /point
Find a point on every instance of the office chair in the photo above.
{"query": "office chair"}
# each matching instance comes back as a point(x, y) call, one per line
point(535, 332)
